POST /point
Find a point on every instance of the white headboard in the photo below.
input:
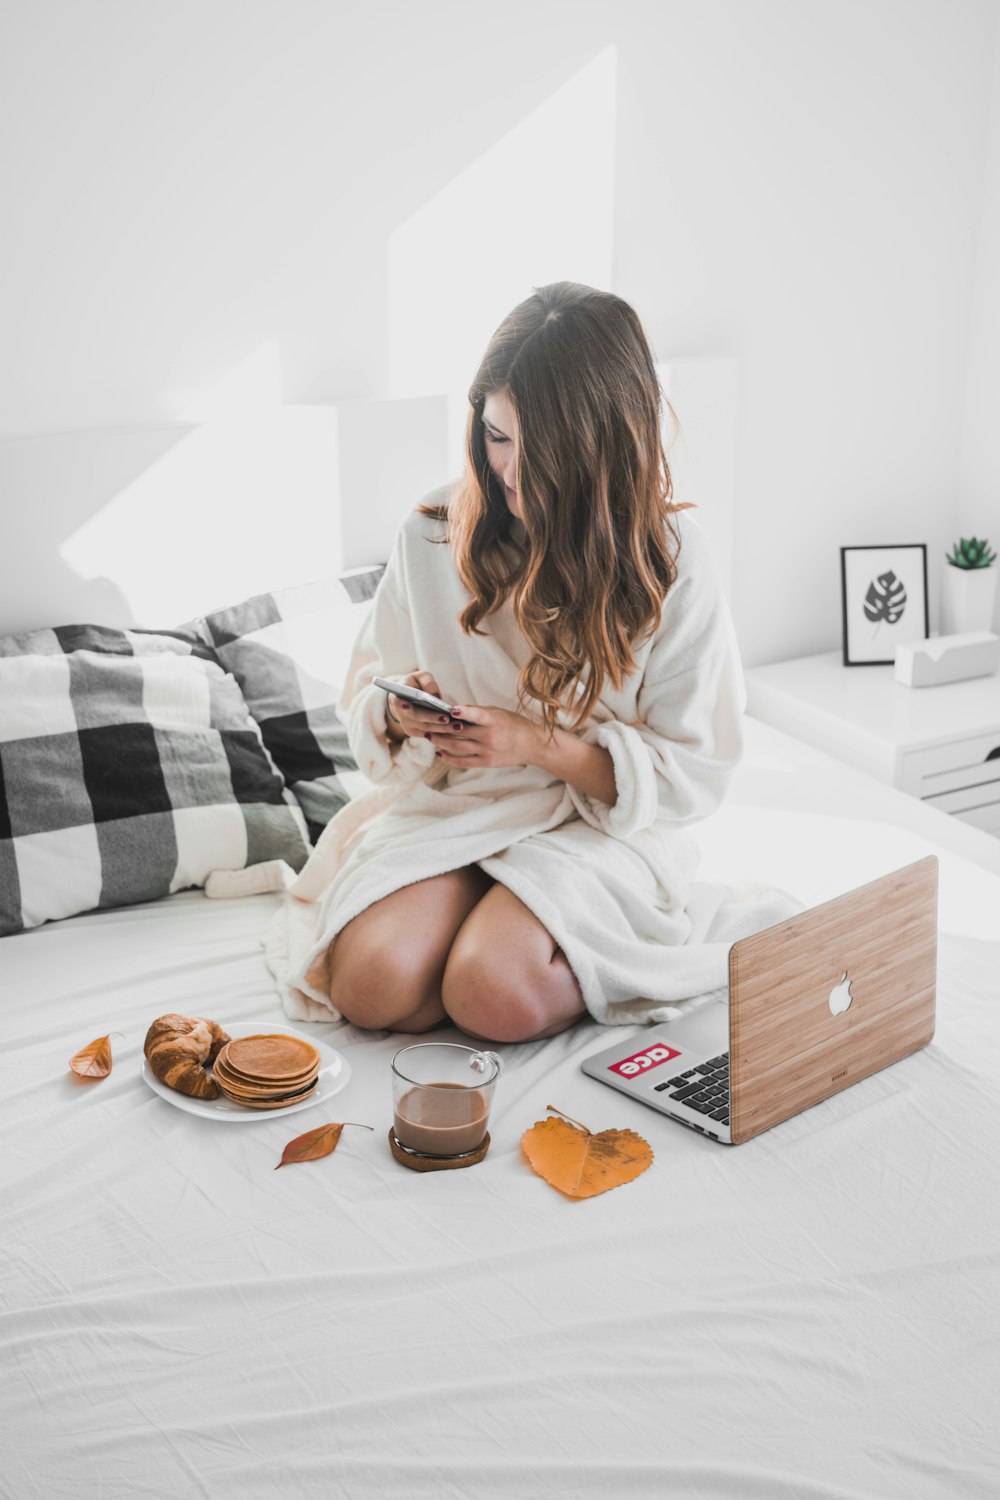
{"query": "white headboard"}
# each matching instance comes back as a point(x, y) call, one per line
point(153, 525)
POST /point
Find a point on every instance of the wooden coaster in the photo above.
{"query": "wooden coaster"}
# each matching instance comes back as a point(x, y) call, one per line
point(435, 1163)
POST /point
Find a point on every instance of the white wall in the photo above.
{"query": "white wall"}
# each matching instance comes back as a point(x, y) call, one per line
point(978, 510)
point(798, 184)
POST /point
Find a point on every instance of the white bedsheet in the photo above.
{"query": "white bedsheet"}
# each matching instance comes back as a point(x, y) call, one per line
point(812, 1314)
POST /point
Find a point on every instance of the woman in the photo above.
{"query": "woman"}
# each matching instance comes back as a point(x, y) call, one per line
point(530, 866)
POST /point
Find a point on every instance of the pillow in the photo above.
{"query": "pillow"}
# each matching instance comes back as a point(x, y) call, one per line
point(129, 768)
point(289, 652)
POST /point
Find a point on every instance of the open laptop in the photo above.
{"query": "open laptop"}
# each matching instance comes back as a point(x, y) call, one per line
point(816, 1003)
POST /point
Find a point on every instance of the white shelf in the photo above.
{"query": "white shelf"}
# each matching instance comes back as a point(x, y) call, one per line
point(934, 742)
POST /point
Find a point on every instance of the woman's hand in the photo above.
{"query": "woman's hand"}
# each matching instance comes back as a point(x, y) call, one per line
point(411, 721)
point(493, 737)
point(496, 737)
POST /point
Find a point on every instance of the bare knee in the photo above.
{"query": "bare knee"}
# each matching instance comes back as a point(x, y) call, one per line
point(377, 987)
point(505, 979)
point(486, 999)
point(384, 969)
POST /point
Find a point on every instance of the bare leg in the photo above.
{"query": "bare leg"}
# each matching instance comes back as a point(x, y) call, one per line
point(506, 979)
point(384, 969)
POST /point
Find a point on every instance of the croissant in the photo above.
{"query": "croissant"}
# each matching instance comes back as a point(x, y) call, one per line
point(180, 1049)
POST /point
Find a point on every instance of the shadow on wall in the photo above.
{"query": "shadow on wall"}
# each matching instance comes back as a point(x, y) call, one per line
point(152, 526)
point(49, 488)
point(159, 523)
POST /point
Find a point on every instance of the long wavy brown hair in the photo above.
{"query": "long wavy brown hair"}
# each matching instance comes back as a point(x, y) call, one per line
point(590, 568)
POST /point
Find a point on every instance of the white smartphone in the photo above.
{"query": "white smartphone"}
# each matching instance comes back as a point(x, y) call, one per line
point(417, 696)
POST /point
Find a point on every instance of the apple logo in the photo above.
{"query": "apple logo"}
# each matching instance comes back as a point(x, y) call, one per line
point(840, 996)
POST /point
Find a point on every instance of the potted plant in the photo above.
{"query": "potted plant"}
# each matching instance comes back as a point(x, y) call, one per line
point(968, 587)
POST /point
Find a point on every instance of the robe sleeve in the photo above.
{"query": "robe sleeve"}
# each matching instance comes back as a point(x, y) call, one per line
point(384, 648)
point(674, 763)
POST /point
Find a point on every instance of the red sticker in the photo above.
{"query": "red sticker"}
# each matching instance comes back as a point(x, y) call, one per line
point(641, 1062)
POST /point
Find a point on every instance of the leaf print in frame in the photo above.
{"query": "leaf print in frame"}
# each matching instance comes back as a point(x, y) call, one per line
point(884, 601)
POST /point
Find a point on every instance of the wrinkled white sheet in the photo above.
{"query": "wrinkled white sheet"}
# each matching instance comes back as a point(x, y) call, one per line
point(813, 1314)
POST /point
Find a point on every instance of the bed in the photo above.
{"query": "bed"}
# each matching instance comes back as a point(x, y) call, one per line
point(811, 1314)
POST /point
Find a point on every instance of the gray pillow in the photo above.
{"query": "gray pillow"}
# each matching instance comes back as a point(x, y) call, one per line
point(130, 767)
point(289, 652)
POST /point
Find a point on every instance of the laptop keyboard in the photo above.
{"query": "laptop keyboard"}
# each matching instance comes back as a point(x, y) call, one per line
point(705, 1088)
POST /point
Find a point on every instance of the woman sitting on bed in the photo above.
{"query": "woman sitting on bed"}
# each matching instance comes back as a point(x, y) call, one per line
point(531, 866)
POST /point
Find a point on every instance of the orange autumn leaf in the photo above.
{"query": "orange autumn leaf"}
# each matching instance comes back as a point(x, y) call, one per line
point(315, 1143)
point(579, 1163)
point(94, 1060)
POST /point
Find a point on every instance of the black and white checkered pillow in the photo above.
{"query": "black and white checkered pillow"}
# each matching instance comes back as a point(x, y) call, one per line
point(289, 653)
point(129, 768)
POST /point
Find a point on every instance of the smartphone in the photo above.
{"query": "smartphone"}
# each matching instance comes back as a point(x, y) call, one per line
point(417, 696)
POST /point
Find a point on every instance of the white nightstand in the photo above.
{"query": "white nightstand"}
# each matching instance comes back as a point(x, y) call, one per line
point(941, 744)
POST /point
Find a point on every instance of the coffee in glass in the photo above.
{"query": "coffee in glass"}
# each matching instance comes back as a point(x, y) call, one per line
point(442, 1094)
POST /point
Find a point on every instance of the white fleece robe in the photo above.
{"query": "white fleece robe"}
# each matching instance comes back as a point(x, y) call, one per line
point(612, 885)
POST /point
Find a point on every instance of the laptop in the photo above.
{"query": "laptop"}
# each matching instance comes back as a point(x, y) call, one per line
point(816, 1003)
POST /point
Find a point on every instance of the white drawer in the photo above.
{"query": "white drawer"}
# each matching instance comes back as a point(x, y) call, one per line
point(986, 818)
point(967, 799)
point(972, 762)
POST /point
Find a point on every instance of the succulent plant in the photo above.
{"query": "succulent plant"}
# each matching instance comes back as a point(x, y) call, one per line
point(971, 554)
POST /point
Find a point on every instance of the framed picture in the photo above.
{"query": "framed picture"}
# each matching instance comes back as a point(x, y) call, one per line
point(884, 597)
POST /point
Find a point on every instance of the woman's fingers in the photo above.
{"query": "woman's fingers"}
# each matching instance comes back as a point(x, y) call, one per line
point(414, 719)
point(489, 737)
point(461, 738)
point(426, 682)
point(454, 746)
point(402, 708)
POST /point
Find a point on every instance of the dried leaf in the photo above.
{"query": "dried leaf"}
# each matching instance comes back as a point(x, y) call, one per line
point(315, 1143)
point(94, 1060)
point(582, 1164)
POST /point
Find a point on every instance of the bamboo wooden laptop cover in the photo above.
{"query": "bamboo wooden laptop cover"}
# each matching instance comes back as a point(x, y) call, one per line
point(816, 1003)
point(789, 1046)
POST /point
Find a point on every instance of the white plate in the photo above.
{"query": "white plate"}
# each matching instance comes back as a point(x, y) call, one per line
point(334, 1074)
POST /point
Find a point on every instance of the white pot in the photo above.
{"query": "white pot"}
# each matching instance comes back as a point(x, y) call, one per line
point(968, 596)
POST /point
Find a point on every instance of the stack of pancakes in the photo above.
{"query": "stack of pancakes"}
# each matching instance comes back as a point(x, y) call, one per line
point(269, 1071)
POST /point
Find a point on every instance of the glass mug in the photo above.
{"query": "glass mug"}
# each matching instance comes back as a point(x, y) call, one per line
point(442, 1094)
